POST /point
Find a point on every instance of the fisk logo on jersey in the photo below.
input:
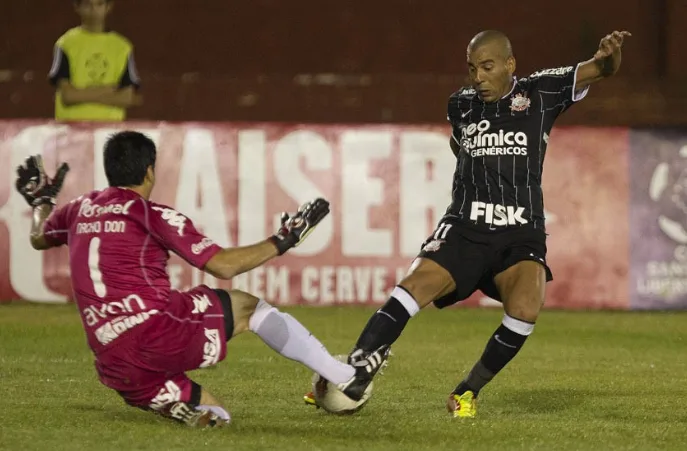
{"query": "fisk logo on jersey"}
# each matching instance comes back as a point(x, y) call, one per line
point(478, 141)
point(496, 214)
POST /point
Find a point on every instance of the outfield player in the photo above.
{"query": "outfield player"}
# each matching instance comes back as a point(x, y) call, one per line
point(492, 237)
point(145, 335)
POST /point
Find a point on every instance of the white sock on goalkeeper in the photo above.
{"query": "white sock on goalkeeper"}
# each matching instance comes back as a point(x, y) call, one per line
point(283, 333)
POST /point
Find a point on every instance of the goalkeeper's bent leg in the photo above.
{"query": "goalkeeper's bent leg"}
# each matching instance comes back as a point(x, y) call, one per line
point(283, 333)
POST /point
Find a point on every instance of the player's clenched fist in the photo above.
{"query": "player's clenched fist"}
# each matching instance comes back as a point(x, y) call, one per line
point(294, 229)
point(35, 185)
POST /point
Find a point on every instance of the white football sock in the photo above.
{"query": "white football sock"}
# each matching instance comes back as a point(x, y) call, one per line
point(283, 333)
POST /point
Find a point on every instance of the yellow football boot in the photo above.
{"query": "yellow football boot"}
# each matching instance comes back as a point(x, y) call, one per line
point(462, 406)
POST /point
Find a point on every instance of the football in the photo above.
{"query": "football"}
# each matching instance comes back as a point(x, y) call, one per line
point(332, 400)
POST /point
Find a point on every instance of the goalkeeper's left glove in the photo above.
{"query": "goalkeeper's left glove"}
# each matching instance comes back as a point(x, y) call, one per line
point(35, 185)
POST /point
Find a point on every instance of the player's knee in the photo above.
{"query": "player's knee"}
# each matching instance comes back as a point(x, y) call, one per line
point(427, 281)
point(525, 308)
point(244, 306)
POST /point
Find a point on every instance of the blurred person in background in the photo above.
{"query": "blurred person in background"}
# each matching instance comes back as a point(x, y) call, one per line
point(93, 69)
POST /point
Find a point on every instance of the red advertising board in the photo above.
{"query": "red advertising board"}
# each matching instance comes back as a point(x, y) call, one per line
point(388, 186)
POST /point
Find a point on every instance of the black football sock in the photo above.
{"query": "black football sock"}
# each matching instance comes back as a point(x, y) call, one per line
point(386, 325)
point(501, 348)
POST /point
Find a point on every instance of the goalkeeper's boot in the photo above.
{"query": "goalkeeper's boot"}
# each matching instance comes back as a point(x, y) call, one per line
point(309, 399)
point(462, 406)
point(366, 366)
point(320, 386)
point(196, 416)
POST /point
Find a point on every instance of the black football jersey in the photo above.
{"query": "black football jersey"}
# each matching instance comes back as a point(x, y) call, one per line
point(497, 181)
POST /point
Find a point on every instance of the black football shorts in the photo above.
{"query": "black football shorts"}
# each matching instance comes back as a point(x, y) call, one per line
point(474, 257)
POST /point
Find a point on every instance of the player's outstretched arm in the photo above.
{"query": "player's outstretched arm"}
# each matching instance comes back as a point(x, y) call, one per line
point(231, 262)
point(228, 263)
point(40, 193)
point(39, 217)
point(606, 60)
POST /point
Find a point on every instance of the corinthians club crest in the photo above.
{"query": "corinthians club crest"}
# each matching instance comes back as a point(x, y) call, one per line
point(519, 102)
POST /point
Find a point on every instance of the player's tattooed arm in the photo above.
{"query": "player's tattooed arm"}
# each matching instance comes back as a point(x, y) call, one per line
point(606, 60)
point(39, 217)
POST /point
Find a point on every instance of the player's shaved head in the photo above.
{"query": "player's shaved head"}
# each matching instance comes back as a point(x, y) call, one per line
point(491, 64)
point(493, 38)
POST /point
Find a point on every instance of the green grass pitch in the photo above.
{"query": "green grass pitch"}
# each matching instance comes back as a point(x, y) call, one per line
point(584, 381)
